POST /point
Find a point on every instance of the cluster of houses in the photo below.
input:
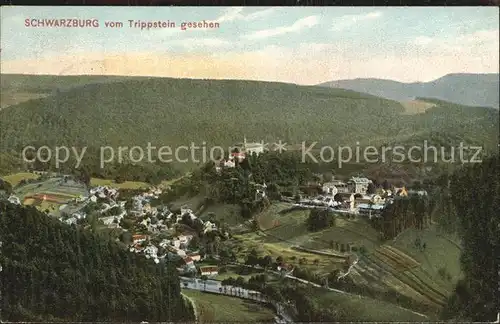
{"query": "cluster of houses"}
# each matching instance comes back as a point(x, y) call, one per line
point(352, 197)
point(243, 149)
point(175, 248)
point(156, 220)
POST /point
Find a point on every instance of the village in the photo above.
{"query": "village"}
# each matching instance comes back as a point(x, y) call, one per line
point(156, 232)
point(217, 246)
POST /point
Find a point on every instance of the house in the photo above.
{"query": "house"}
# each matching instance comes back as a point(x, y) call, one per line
point(370, 210)
point(359, 185)
point(151, 251)
point(285, 268)
point(229, 164)
point(329, 189)
point(209, 271)
point(250, 148)
point(259, 194)
point(209, 226)
point(136, 248)
point(108, 220)
point(185, 239)
point(401, 192)
point(335, 186)
point(164, 243)
point(138, 238)
point(374, 199)
point(188, 265)
point(71, 221)
point(195, 257)
point(186, 210)
point(341, 186)
point(188, 261)
point(237, 155)
point(417, 192)
point(14, 200)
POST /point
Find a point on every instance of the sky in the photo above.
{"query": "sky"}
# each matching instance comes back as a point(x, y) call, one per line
point(306, 45)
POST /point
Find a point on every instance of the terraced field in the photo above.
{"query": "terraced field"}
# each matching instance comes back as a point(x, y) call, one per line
point(396, 265)
point(395, 258)
point(421, 284)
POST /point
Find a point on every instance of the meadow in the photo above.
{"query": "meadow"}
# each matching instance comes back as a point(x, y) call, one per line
point(426, 276)
point(124, 185)
point(213, 308)
point(364, 309)
point(16, 178)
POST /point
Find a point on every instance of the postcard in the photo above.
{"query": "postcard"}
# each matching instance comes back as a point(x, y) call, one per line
point(249, 164)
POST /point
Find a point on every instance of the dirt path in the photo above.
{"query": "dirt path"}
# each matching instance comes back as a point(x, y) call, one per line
point(195, 310)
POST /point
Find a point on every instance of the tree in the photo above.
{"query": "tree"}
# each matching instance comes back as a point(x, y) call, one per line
point(267, 261)
point(371, 189)
point(80, 271)
point(6, 186)
point(126, 237)
point(252, 258)
point(320, 219)
point(476, 296)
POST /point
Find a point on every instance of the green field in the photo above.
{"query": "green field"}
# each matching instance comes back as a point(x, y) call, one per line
point(365, 309)
point(50, 187)
point(125, 185)
point(267, 245)
point(414, 272)
point(291, 227)
point(228, 214)
point(396, 265)
point(441, 252)
point(218, 309)
point(14, 179)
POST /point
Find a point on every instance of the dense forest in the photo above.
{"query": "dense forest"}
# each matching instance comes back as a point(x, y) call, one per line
point(173, 112)
point(281, 173)
point(56, 272)
point(404, 212)
point(475, 194)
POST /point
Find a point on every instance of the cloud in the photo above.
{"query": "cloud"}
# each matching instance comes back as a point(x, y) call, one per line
point(347, 21)
point(235, 13)
point(299, 25)
point(304, 63)
point(477, 42)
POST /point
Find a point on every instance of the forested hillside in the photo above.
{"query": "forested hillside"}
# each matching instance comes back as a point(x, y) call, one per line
point(475, 194)
point(178, 111)
point(55, 272)
point(96, 112)
point(447, 124)
point(474, 89)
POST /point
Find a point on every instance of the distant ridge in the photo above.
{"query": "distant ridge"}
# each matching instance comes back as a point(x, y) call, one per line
point(462, 88)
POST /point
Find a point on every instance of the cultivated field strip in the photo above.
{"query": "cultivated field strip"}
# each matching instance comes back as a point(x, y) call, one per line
point(382, 274)
point(397, 259)
point(417, 284)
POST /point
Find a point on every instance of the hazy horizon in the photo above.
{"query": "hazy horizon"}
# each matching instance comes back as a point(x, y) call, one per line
point(304, 46)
